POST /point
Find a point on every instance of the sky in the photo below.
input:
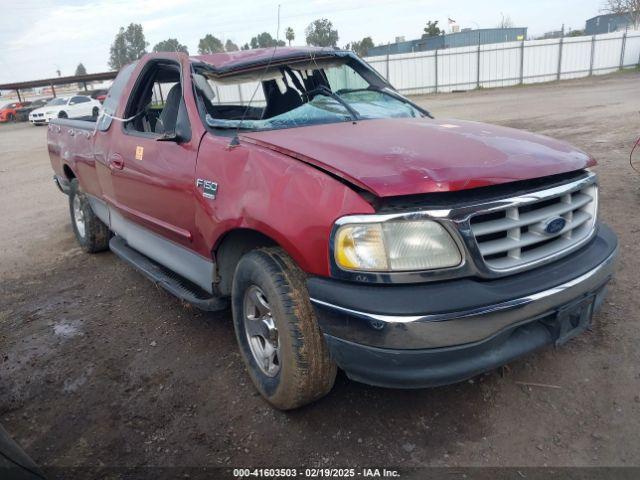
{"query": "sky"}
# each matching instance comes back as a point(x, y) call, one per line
point(39, 37)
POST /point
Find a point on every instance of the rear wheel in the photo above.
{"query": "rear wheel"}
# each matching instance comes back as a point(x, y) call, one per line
point(91, 233)
point(278, 335)
point(95, 111)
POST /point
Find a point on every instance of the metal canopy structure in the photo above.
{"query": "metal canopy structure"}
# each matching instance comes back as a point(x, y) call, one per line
point(51, 82)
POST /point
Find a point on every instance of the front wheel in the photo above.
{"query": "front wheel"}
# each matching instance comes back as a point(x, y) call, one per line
point(277, 332)
point(63, 115)
point(91, 233)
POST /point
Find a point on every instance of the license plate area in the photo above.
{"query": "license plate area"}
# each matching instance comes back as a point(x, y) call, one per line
point(572, 320)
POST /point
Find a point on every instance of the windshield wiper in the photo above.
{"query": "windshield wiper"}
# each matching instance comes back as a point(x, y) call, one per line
point(385, 91)
point(324, 90)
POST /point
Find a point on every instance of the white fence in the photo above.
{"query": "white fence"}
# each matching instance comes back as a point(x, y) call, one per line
point(510, 63)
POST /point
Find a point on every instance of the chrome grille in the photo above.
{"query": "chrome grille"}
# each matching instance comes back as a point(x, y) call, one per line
point(517, 235)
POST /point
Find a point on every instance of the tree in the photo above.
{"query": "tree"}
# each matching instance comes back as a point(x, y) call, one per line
point(362, 47)
point(128, 45)
point(629, 8)
point(245, 47)
point(80, 70)
point(505, 22)
point(170, 45)
point(432, 29)
point(229, 46)
point(210, 44)
point(118, 55)
point(320, 33)
point(575, 33)
point(265, 40)
point(290, 35)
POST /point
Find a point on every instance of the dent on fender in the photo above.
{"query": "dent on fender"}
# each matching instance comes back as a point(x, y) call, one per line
point(292, 203)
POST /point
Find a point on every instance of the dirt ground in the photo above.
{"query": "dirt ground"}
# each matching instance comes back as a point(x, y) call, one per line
point(98, 367)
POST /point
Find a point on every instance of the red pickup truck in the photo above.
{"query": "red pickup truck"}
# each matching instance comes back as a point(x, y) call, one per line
point(344, 224)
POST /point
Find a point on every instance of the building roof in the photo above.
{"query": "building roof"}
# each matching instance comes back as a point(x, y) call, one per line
point(610, 15)
point(47, 82)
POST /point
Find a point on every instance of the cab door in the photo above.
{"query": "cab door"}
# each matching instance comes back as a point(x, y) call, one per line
point(152, 172)
point(107, 127)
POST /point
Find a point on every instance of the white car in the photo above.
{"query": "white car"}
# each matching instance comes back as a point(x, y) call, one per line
point(66, 107)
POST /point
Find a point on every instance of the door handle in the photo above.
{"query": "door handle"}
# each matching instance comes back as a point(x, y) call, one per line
point(116, 162)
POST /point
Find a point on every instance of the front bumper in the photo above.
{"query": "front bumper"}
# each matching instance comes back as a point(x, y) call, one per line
point(443, 332)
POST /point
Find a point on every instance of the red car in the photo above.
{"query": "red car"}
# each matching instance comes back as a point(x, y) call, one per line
point(8, 112)
point(99, 94)
point(344, 224)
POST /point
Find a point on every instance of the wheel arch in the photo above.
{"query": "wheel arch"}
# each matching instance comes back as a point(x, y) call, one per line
point(68, 172)
point(229, 250)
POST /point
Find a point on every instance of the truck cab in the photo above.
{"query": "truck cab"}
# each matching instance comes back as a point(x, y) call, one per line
point(343, 224)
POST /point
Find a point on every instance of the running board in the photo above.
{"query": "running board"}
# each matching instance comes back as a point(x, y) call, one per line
point(170, 281)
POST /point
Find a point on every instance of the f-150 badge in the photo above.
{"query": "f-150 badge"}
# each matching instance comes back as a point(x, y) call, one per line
point(209, 188)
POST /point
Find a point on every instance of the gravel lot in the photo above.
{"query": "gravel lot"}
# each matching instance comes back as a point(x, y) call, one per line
point(98, 367)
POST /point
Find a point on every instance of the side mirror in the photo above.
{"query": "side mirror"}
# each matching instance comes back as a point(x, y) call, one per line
point(169, 137)
point(182, 131)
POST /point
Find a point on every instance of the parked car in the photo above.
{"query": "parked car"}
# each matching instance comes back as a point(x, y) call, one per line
point(76, 106)
point(22, 114)
point(99, 94)
point(344, 224)
point(8, 112)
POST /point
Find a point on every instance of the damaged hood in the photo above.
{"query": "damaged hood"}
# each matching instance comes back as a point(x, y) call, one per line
point(405, 156)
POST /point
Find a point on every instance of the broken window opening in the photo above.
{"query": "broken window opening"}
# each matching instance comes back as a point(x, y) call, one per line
point(297, 94)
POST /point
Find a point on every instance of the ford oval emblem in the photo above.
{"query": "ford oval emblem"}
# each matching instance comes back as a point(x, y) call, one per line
point(554, 225)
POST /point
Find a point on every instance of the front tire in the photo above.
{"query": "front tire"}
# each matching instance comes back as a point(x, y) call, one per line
point(63, 115)
point(90, 232)
point(277, 332)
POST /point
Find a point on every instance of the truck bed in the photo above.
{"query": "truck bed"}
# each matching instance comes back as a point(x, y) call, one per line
point(87, 122)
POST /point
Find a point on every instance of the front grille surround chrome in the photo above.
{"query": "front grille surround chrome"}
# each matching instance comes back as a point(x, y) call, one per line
point(458, 222)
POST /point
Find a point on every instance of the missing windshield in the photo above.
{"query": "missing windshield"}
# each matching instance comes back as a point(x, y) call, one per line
point(301, 93)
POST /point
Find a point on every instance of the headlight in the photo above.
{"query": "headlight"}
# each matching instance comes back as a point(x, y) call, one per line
point(395, 246)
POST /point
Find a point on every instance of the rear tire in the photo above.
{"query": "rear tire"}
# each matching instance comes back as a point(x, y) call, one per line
point(277, 332)
point(95, 111)
point(91, 233)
